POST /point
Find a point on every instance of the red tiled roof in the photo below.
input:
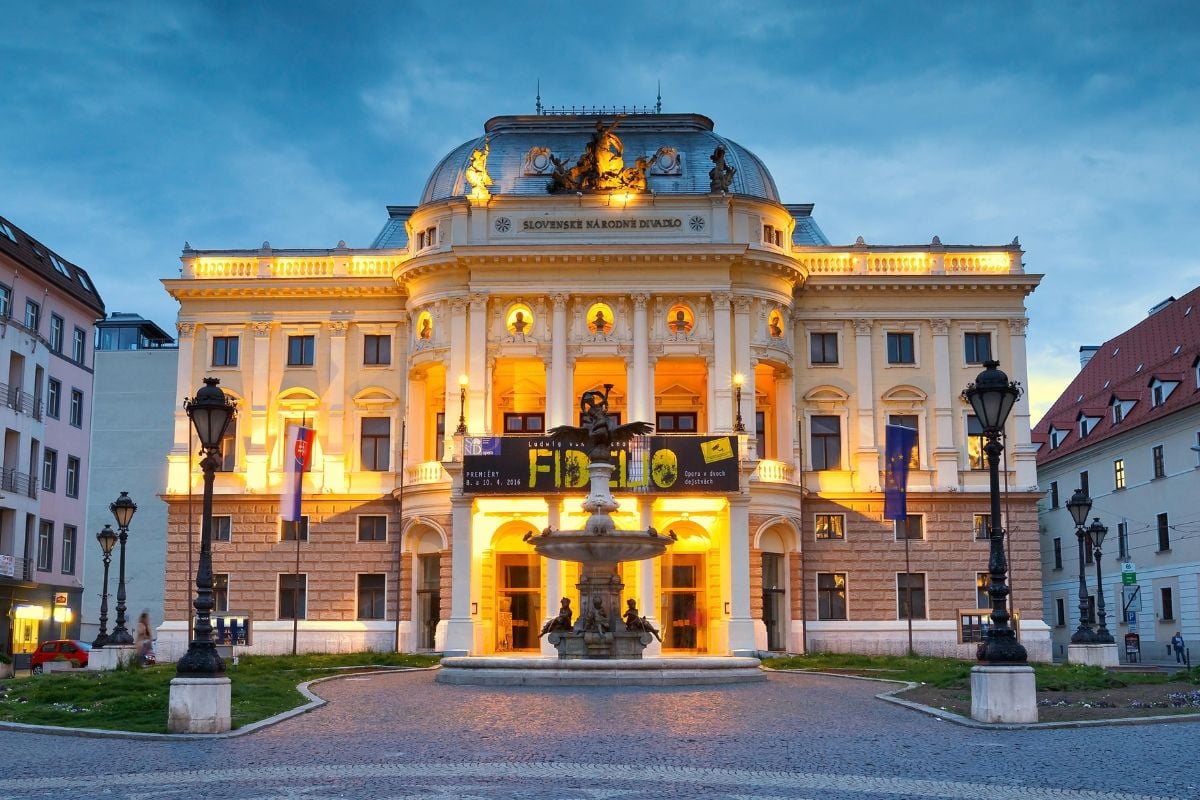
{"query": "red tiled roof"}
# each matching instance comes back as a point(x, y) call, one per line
point(1113, 371)
point(33, 255)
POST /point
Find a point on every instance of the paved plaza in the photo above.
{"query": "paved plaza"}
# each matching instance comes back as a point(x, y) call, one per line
point(389, 736)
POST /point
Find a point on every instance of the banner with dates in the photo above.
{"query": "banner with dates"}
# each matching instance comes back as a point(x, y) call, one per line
point(652, 464)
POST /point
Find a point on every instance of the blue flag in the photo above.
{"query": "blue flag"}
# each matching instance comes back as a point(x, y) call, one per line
point(900, 444)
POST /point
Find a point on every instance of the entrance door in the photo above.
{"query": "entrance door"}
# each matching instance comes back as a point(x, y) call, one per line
point(518, 601)
point(684, 623)
point(429, 599)
point(774, 597)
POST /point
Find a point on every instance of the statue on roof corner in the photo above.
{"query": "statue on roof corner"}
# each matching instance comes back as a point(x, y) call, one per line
point(601, 167)
point(477, 175)
point(720, 177)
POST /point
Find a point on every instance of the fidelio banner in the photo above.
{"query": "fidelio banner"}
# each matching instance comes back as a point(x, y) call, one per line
point(540, 465)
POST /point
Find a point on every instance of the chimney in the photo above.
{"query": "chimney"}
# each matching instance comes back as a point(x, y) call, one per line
point(1160, 306)
point(1085, 354)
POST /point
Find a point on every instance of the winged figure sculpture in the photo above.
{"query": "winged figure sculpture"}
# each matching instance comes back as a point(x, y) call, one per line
point(598, 432)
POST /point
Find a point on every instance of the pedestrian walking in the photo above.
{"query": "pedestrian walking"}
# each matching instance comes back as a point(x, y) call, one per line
point(1177, 645)
point(143, 640)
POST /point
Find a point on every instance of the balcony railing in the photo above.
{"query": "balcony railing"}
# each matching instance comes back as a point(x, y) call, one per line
point(19, 482)
point(425, 473)
point(774, 471)
point(16, 568)
point(21, 402)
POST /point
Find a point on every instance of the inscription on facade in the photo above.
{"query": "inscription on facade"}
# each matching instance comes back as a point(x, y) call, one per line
point(593, 224)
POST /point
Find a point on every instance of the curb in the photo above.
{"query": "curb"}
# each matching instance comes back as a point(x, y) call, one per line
point(314, 702)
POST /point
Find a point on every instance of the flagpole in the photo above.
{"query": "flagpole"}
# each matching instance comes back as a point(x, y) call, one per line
point(400, 527)
point(908, 588)
point(296, 531)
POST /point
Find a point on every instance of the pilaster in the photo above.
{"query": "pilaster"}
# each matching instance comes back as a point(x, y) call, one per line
point(866, 453)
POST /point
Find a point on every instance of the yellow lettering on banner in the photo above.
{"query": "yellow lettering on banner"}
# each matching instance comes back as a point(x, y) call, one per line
point(535, 467)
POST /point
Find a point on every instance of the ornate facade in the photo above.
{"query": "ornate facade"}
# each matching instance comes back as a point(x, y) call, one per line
point(673, 273)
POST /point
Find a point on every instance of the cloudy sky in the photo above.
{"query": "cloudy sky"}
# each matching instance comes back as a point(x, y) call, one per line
point(129, 128)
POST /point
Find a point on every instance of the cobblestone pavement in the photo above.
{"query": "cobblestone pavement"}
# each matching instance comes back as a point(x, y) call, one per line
point(801, 737)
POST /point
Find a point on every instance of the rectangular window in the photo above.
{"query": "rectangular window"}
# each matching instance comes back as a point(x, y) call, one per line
point(1122, 541)
point(57, 334)
point(72, 476)
point(1060, 612)
point(830, 526)
point(826, 447)
point(675, 422)
point(222, 528)
point(534, 422)
point(831, 595)
point(975, 442)
point(823, 348)
point(1058, 552)
point(900, 348)
point(33, 315)
point(1118, 412)
point(229, 448)
point(1164, 533)
point(45, 550)
point(301, 351)
point(376, 443)
point(49, 469)
point(372, 528)
point(370, 596)
point(978, 347)
point(982, 524)
point(1083, 483)
point(70, 534)
point(7, 231)
point(760, 434)
point(78, 345)
point(53, 398)
point(1160, 469)
point(220, 592)
point(293, 596)
point(5, 301)
point(77, 408)
point(1119, 474)
point(225, 351)
point(439, 442)
point(377, 350)
point(1054, 494)
point(982, 581)
point(910, 594)
point(288, 529)
point(1166, 604)
point(909, 421)
point(911, 528)
point(1157, 396)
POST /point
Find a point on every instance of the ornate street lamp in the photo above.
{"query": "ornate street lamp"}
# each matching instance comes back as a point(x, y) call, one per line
point(992, 396)
point(211, 411)
point(107, 538)
point(1096, 533)
point(122, 510)
point(1080, 505)
point(461, 430)
point(738, 380)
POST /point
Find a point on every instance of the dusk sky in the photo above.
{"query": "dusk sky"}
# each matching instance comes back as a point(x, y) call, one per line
point(131, 128)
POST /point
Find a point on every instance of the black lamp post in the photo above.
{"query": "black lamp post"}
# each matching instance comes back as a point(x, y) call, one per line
point(107, 538)
point(992, 396)
point(738, 380)
point(1096, 533)
point(211, 411)
point(122, 510)
point(461, 430)
point(1080, 505)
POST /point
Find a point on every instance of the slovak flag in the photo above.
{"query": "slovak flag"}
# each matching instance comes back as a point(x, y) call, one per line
point(299, 458)
point(899, 444)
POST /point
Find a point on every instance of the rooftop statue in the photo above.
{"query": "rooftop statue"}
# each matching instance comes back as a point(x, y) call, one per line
point(598, 430)
point(601, 167)
point(720, 177)
point(477, 174)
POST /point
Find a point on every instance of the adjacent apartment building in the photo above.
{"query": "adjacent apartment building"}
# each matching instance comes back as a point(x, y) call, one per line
point(1127, 431)
point(47, 309)
point(557, 254)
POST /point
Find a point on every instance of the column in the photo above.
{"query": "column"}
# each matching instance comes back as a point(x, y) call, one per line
point(414, 412)
point(720, 377)
point(179, 470)
point(1023, 451)
point(257, 402)
point(554, 589)
point(460, 629)
point(647, 599)
point(941, 440)
point(866, 453)
point(334, 445)
point(651, 405)
point(641, 380)
point(785, 416)
point(741, 626)
point(478, 413)
point(400, 353)
point(456, 367)
point(744, 364)
point(556, 375)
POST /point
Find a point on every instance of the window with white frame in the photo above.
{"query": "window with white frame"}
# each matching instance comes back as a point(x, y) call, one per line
point(73, 465)
point(225, 351)
point(293, 596)
point(45, 546)
point(830, 526)
point(77, 408)
point(823, 347)
point(1159, 461)
point(375, 443)
point(909, 421)
point(49, 469)
point(977, 347)
point(826, 438)
point(901, 348)
point(1119, 473)
point(78, 345)
point(222, 528)
point(975, 443)
point(220, 592)
point(57, 333)
point(831, 595)
point(982, 581)
point(377, 350)
point(371, 592)
point(69, 543)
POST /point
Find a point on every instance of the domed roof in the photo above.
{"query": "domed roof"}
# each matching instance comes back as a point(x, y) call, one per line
point(518, 165)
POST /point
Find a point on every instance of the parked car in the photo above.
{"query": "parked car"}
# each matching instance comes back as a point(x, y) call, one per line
point(71, 650)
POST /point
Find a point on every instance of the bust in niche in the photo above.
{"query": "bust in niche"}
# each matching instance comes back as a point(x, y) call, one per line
point(680, 324)
point(519, 324)
point(600, 324)
point(426, 329)
point(776, 326)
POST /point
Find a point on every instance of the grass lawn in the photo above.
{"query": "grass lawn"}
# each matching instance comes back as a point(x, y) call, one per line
point(135, 699)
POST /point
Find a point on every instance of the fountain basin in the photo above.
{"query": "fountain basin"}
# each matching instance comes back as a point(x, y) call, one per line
point(589, 548)
point(540, 671)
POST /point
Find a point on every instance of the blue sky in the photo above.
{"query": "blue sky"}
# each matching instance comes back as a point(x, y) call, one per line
point(130, 128)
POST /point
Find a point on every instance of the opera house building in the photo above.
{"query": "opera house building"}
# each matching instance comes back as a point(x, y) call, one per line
point(649, 259)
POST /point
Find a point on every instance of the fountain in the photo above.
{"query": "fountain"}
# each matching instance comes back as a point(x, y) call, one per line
point(604, 645)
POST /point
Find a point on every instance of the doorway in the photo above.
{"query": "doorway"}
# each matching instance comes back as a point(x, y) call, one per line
point(684, 622)
point(429, 599)
point(774, 599)
point(518, 601)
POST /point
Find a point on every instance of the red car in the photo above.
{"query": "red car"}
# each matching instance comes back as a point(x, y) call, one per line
point(71, 650)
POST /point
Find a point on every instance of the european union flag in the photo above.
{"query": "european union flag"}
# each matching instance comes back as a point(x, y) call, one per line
point(899, 444)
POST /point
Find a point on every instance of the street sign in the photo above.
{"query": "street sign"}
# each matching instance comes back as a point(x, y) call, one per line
point(1127, 566)
point(1129, 579)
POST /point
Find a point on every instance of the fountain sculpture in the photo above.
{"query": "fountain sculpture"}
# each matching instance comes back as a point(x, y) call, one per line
point(602, 630)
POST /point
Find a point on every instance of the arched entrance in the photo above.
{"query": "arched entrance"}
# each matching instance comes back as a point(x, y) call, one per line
point(426, 545)
point(683, 592)
point(518, 591)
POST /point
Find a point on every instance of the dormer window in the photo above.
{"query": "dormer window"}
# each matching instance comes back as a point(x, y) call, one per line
point(1056, 437)
point(1120, 408)
point(1086, 424)
point(1196, 372)
point(1160, 390)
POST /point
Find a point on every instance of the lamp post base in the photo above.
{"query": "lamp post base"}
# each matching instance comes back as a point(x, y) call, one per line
point(111, 657)
point(1003, 693)
point(1093, 655)
point(200, 705)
